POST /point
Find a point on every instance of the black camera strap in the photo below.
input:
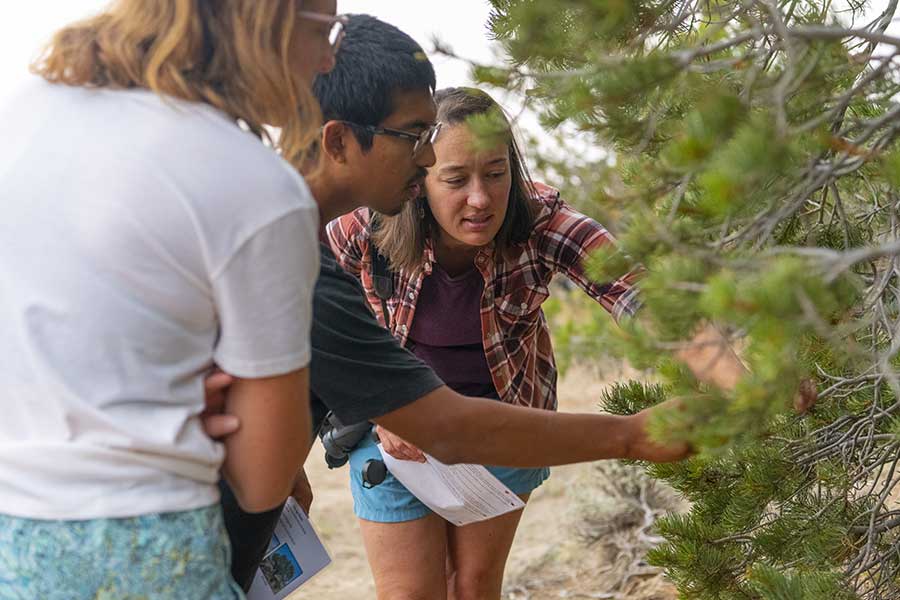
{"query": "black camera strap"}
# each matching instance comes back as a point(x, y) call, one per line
point(382, 276)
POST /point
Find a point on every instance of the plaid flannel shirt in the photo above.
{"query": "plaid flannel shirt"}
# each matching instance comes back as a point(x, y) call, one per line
point(516, 336)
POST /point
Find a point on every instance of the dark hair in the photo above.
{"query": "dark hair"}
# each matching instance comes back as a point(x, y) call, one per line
point(375, 61)
point(401, 238)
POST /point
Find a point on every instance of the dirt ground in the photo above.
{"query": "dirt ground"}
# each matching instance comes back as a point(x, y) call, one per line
point(548, 559)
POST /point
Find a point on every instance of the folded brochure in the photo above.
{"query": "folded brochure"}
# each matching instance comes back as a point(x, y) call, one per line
point(294, 555)
point(461, 494)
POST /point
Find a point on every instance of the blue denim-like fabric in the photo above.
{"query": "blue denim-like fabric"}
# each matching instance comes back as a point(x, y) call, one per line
point(391, 502)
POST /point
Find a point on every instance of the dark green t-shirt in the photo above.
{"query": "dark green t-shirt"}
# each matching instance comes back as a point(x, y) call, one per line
point(358, 368)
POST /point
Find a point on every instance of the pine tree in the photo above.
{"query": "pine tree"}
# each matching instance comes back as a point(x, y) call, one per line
point(755, 175)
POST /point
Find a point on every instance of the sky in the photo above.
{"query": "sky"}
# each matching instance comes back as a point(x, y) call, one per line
point(460, 23)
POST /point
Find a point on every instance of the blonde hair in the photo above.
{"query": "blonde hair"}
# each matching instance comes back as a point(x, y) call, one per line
point(232, 54)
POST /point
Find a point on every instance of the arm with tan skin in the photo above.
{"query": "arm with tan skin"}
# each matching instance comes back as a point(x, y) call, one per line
point(264, 456)
point(456, 428)
point(218, 424)
point(709, 357)
point(572, 437)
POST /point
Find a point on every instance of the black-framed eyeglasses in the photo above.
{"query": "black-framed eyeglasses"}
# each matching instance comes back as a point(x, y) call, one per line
point(420, 140)
point(337, 23)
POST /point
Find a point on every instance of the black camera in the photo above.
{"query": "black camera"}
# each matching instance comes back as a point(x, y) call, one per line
point(339, 439)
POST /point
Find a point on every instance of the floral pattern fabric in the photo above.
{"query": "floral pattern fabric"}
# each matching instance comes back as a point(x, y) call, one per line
point(182, 555)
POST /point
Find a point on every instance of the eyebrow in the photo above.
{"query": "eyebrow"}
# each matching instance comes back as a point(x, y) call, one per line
point(453, 168)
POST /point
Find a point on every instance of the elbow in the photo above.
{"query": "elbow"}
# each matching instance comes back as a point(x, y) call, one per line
point(259, 501)
point(263, 487)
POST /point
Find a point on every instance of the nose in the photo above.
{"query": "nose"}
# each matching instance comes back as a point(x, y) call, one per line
point(478, 196)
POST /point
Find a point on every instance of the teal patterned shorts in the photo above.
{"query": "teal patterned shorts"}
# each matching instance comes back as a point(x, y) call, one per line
point(181, 555)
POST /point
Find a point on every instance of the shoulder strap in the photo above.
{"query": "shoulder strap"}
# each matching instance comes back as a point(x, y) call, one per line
point(382, 276)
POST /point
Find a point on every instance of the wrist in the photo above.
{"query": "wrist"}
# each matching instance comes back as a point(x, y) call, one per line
point(639, 446)
point(635, 439)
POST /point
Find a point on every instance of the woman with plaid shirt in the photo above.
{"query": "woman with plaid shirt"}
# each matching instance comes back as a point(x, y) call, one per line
point(472, 264)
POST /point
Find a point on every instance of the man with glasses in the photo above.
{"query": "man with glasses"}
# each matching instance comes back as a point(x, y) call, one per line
point(374, 148)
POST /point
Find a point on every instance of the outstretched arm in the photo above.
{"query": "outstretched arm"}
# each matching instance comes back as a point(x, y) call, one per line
point(456, 428)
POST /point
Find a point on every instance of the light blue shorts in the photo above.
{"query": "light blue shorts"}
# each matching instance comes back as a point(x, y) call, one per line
point(181, 555)
point(391, 502)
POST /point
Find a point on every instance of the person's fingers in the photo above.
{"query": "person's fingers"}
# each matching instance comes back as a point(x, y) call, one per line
point(305, 502)
point(394, 450)
point(217, 381)
point(411, 452)
point(218, 426)
point(414, 453)
point(397, 448)
point(215, 385)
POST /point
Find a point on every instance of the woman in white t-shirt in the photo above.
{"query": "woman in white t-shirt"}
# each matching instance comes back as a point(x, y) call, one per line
point(136, 216)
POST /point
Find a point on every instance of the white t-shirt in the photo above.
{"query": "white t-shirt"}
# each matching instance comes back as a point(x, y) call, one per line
point(141, 240)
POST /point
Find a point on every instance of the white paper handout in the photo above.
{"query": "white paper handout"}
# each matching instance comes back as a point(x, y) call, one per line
point(295, 554)
point(462, 494)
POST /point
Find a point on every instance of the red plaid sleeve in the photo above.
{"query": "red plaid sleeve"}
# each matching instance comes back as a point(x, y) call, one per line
point(348, 238)
point(566, 238)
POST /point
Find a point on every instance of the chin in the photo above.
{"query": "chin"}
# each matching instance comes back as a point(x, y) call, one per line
point(476, 241)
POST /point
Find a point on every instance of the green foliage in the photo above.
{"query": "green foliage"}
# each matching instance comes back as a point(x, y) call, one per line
point(712, 122)
point(772, 584)
point(630, 397)
point(891, 165)
point(738, 176)
point(751, 170)
point(489, 129)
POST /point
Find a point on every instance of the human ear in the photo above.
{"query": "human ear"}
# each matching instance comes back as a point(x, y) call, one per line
point(334, 144)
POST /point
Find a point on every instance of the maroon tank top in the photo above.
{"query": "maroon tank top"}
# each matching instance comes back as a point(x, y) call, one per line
point(446, 331)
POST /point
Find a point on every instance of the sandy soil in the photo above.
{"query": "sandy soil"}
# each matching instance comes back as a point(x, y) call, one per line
point(547, 560)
